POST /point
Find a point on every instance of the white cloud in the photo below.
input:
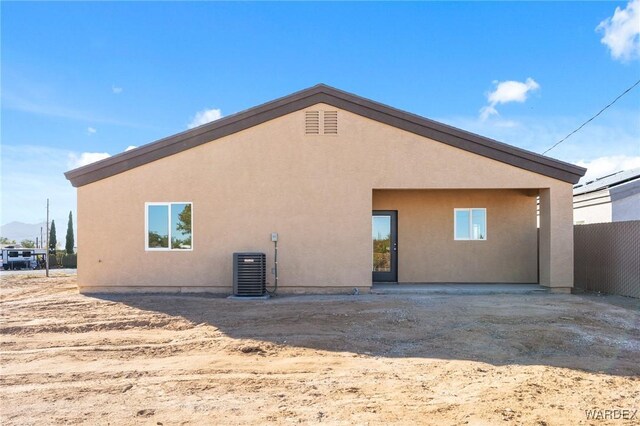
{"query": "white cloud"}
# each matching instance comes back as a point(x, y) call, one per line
point(205, 116)
point(75, 160)
point(512, 91)
point(487, 111)
point(505, 92)
point(91, 130)
point(603, 166)
point(78, 160)
point(622, 32)
point(116, 90)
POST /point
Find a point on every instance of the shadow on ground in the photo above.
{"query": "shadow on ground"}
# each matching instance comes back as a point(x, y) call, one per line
point(589, 333)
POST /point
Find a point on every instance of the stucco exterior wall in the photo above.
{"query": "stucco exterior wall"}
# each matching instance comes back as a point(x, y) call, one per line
point(556, 238)
point(427, 251)
point(627, 208)
point(593, 207)
point(315, 191)
point(625, 201)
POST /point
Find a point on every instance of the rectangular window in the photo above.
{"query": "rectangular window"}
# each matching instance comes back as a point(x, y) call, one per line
point(168, 226)
point(470, 224)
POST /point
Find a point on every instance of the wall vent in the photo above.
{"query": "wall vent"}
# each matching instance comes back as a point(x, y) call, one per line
point(249, 274)
point(315, 124)
point(312, 122)
point(331, 122)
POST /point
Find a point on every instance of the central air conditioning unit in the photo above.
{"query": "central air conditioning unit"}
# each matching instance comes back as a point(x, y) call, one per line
point(249, 274)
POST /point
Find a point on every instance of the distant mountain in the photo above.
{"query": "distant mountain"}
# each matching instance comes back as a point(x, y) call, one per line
point(19, 231)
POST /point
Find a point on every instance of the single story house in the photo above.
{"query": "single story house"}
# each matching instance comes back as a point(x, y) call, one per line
point(358, 192)
point(611, 198)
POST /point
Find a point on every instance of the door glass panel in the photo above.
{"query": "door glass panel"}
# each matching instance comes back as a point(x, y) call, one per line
point(381, 235)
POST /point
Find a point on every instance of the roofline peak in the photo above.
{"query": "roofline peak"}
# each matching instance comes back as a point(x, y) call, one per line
point(323, 93)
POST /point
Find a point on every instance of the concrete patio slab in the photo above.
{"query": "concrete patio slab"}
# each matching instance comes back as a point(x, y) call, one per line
point(456, 288)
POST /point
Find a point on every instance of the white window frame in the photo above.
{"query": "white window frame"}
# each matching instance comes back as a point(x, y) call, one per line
point(470, 210)
point(146, 225)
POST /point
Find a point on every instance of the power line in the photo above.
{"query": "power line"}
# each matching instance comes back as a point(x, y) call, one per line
point(591, 119)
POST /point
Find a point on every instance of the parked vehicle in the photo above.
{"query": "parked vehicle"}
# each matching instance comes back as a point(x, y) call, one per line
point(22, 258)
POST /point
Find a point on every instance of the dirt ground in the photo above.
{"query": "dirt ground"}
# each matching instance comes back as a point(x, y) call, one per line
point(367, 359)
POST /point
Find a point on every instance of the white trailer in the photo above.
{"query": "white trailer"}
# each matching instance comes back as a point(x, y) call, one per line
point(22, 258)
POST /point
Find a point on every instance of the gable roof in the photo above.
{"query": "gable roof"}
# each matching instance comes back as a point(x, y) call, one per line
point(328, 95)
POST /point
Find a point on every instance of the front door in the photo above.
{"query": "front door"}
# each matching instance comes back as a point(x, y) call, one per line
point(385, 245)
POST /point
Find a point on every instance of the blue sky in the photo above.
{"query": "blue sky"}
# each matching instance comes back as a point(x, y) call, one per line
point(84, 80)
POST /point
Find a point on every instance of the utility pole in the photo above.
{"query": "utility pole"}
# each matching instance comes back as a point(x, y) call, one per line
point(47, 248)
point(41, 240)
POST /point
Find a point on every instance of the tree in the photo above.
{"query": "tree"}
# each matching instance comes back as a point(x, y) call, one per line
point(156, 240)
point(5, 240)
point(70, 242)
point(28, 243)
point(53, 242)
point(184, 220)
point(184, 227)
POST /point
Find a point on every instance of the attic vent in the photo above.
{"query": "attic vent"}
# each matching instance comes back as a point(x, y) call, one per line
point(331, 122)
point(312, 122)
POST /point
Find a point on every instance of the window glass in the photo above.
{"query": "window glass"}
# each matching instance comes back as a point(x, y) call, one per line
point(181, 226)
point(381, 233)
point(158, 226)
point(478, 224)
point(169, 226)
point(462, 225)
point(470, 224)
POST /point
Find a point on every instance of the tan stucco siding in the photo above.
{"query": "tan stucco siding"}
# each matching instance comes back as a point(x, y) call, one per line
point(556, 237)
point(315, 191)
point(428, 252)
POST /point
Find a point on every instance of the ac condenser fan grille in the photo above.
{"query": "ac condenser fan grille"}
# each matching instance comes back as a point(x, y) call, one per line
point(249, 274)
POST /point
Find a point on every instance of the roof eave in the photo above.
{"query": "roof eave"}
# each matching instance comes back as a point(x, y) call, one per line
point(324, 94)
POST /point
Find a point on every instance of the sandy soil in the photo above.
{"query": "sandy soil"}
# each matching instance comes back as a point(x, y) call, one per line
point(151, 359)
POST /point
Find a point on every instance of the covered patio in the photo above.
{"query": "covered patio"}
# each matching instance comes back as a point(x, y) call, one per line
point(470, 240)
